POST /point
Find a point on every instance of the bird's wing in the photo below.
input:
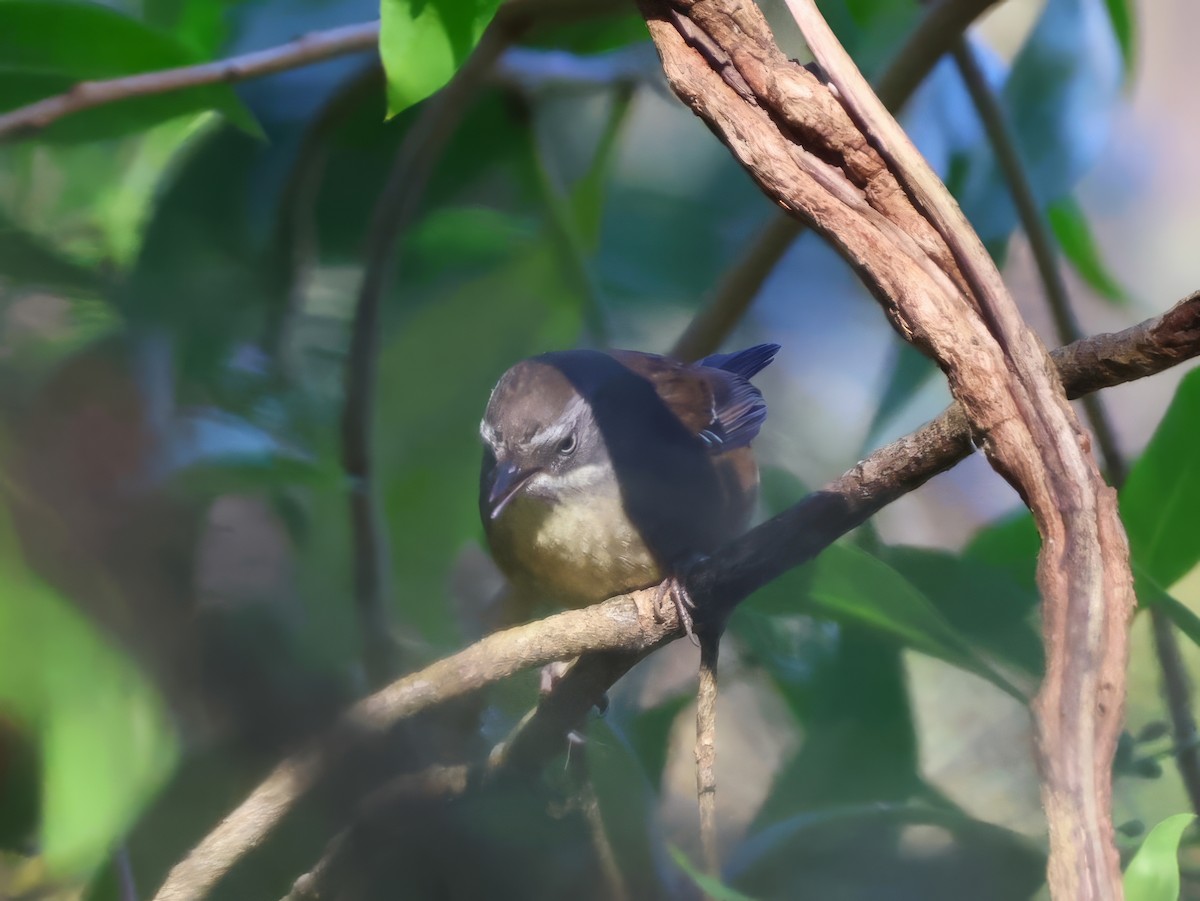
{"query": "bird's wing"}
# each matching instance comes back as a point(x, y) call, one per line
point(717, 403)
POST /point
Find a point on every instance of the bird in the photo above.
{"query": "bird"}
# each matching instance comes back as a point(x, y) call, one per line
point(605, 472)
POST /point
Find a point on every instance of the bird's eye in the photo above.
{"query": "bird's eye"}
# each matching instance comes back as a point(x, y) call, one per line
point(567, 445)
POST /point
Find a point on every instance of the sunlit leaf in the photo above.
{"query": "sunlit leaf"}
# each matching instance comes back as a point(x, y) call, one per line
point(712, 887)
point(46, 46)
point(1162, 493)
point(102, 730)
point(1153, 874)
point(423, 42)
point(1074, 236)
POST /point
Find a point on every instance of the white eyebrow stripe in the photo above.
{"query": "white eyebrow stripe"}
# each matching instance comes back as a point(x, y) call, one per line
point(563, 425)
point(488, 434)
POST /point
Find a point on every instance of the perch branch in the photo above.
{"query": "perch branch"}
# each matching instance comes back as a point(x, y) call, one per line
point(620, 627)
point(706, 750)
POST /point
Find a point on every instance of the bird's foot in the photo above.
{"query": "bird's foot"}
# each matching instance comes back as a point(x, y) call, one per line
point(674, 588)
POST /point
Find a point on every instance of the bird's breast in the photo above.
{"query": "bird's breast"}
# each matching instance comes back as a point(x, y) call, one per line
point(575, 550)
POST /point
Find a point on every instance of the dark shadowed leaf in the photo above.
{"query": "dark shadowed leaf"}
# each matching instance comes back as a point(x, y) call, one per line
point(914, 851)
point(627, 806)
point(856, 588)
point(986, 605)
point(1011, 544)
point(1153, 874)
point(648, 732)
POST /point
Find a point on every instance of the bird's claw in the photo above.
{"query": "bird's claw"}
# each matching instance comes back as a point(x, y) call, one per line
point(673, 586)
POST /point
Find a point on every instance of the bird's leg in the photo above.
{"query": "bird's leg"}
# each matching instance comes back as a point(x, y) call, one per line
point(674, 587)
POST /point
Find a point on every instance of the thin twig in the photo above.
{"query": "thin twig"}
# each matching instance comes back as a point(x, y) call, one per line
point(933, 36)
point(304, 51)
point(1176, 685)
point(395, 209)
point(706, 750)
point(629, 627)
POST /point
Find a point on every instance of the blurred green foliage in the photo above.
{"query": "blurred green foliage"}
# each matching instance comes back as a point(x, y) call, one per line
point(177, 285)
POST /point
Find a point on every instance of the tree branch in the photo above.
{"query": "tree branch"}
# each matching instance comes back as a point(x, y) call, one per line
point(617, 633)
point(1176, 685)
point(311, 48)
point(304, 51)
point(933, 37)
point(833, 157)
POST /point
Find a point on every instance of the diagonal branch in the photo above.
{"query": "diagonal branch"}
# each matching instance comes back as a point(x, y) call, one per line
point(617, 633)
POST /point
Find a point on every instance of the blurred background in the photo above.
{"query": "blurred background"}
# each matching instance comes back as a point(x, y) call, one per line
point(194, 422)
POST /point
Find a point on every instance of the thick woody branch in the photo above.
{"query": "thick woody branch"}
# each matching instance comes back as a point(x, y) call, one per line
point(616, 634)
point(933, 36)
point(834, 158)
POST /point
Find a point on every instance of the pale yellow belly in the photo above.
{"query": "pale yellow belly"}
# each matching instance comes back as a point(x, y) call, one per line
point(572, 553)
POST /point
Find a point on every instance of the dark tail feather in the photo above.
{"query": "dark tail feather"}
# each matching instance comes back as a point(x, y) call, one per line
point(747, 363)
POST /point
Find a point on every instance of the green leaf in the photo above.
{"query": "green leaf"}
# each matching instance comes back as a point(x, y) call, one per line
point(1012, 544)
point(851, 586)
point(987, 606)
point(1161, 495)
point(1151, 594)
point(711, 886)
point(1153, 874)
point(649, 730)
point(1120, 12)
point(423, 42)
point(102, 730)
point(872, 850)
point(46, 46)
point(1074, 236)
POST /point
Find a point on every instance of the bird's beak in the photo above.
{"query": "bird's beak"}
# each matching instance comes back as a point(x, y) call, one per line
point(507, 480)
